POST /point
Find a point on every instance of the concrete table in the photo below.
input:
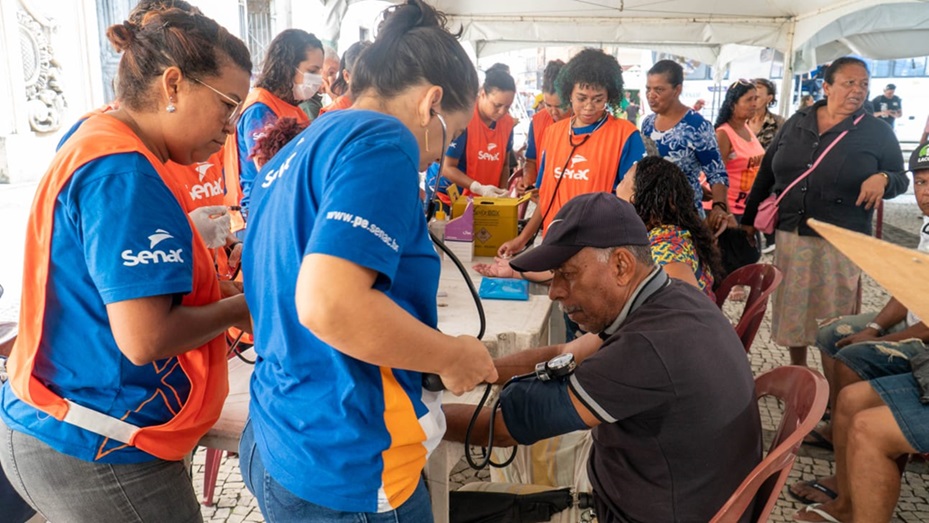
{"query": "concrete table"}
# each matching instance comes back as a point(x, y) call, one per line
point(512, 326)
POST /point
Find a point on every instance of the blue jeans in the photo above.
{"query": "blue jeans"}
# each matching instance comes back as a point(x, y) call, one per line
point(279, 505)
point(64, 488)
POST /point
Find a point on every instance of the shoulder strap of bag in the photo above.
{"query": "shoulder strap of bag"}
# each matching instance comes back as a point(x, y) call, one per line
point(816, 163)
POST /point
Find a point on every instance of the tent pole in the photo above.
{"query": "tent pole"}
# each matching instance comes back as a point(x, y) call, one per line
point(787, 83)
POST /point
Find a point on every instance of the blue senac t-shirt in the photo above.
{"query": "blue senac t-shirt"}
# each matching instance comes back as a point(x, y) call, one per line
point(112, 211)
point(251, 124)
point(319, 416)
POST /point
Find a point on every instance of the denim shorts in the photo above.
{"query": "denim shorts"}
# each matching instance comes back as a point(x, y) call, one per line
point(870, 359)
point(279, 505)
point(901, 393)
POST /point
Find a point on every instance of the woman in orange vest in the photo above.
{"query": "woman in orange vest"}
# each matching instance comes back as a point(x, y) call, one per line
point(343, 82)
point(290, 75)
point(589, 152)
point(478, 160)
point(120, 366)
point(551, 110)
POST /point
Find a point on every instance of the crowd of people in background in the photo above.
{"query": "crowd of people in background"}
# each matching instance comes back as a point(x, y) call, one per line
point(342, 311)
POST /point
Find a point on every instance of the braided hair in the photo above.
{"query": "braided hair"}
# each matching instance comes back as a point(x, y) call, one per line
point(663, 196)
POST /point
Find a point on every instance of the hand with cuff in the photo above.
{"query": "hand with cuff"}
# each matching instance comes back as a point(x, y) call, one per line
point(480, 189)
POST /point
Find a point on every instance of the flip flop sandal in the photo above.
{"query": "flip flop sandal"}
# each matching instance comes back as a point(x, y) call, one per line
point(814, 508)
point(818, 441)
point(812, 484)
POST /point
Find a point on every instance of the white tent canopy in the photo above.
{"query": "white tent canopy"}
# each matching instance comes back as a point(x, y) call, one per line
point(712, 31)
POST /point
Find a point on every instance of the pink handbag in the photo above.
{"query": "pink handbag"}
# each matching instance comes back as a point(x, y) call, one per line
point(766, 218)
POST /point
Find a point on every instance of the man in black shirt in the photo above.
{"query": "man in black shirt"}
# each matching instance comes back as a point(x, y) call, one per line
point(888, 106)
point(664, 382)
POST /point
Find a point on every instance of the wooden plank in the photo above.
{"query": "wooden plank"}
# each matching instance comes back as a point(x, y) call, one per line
point(903, 272)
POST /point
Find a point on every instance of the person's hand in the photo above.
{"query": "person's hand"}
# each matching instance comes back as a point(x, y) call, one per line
point(872, 190)
point(242, 319)
point(500, 268)
point(213, 223)
point(235, 256)
point(524, 185)
point(511, 247)
point(487, 190)
point(716, 219)
point(868, 334)
point(472, 366)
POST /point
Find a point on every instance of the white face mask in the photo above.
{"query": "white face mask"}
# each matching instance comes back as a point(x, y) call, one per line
point(306, 90)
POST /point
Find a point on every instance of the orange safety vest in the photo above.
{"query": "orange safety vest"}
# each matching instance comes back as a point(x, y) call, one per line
point(486, 149)
point(342, 102)
point(205, 366)
point(591, 168)
point(541, 121)
point(231, 166)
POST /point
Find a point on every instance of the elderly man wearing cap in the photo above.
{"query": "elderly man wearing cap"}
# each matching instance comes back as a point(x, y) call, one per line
point(888, 106)
point(663, 379)
point(869, 361)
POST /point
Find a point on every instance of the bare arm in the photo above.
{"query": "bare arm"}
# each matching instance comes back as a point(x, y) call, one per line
point(451, 171)
point(153, 328)
point(336, 300)
point(681, 271)
point(725, 146)
point(524, 362)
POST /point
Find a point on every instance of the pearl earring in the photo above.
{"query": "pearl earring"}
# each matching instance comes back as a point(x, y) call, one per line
point(170, 108)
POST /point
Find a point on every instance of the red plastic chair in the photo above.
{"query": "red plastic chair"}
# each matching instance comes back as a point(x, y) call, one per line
point(763, 279)
point(804, 393)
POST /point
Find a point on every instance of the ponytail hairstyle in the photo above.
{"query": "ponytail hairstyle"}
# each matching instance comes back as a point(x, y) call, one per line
point(349, 59)
point(285, 53)
point(498, 80)
point(172, 37)
point(736, 91)
point(413, 46)
point(663, 196)
point(594, 68)
point(550, 75)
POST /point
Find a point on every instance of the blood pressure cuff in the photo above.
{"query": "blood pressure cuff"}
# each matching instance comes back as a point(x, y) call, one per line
point(535, 410)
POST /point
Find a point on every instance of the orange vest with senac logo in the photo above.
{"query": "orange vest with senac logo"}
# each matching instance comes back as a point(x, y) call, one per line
point(281, 109)
point(486, 149)
point(205, 366)
point(591, 168)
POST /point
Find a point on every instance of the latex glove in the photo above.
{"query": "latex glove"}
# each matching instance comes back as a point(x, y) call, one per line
point(487, 190)
point(213, 223)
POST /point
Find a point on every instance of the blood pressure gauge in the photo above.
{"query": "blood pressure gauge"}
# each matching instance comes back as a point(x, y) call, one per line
point(558, 367)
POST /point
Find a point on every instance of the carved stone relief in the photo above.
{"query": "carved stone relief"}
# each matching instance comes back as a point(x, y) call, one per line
point(41, 72)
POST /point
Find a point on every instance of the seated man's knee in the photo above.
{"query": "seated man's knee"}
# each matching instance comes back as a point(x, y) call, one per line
point(855, 398)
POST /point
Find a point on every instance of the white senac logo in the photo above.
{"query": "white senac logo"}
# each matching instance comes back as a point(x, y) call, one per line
point(152, 255)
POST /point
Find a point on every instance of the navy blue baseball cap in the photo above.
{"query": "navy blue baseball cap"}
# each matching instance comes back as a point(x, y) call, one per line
point(599, 220)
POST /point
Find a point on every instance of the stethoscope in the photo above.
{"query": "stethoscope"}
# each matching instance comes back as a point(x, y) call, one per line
point(574, 147)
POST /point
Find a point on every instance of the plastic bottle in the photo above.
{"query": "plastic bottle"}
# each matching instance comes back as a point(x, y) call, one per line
point(437, 228)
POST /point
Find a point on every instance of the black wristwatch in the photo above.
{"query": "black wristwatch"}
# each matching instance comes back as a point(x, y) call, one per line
point(723, 205)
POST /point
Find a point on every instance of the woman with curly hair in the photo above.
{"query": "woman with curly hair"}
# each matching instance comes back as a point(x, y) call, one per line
point(589, 152)
point(290, 75)
point(681, 243)
point(738, 145)
point(273, 138)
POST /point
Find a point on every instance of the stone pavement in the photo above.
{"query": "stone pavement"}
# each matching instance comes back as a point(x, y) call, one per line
point(902, 218)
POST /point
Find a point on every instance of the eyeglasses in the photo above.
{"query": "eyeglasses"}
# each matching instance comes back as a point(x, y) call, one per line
point(596, 103)
point(233, 117)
